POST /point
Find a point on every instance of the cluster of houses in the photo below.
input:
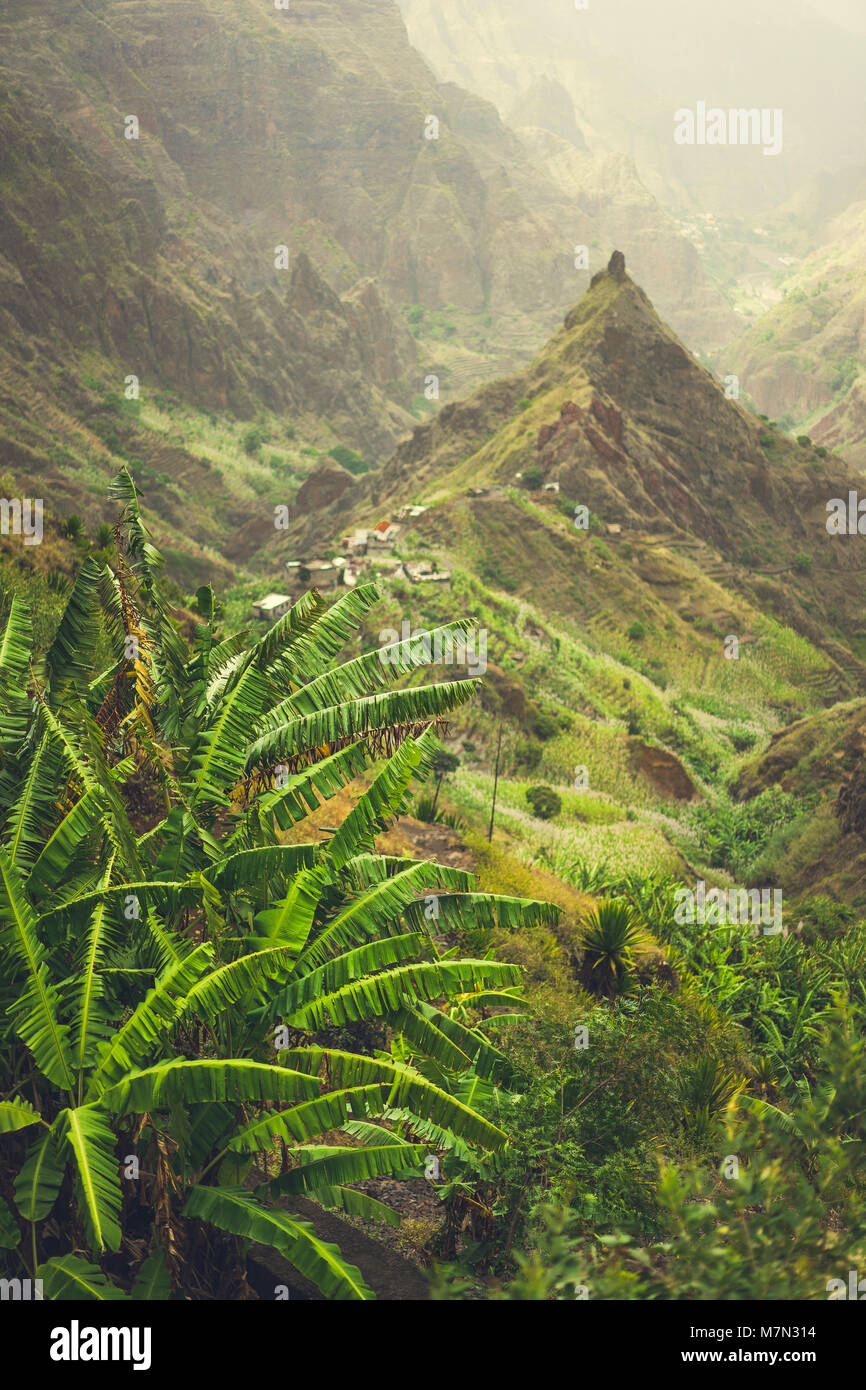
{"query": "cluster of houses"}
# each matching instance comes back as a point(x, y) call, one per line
point(359, 549)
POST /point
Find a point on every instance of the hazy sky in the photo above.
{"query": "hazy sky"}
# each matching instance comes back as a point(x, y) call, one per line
point(851, 13)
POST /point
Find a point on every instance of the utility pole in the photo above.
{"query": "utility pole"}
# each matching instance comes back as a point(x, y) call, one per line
point(495, 781)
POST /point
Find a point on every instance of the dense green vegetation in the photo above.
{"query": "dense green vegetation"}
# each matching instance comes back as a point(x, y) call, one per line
point(184, 990)
point(215, 1005)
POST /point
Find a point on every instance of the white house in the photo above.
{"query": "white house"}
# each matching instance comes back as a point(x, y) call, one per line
point(271, 607)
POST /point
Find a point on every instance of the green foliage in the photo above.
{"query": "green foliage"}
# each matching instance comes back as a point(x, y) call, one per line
point(253, 439)
point(532, 479)
point(610, 933)
point(735, 836)
point(167, 980)
point(545, 802)
point(349, 459)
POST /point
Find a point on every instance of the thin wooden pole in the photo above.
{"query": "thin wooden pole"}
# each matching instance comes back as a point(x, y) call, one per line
point(495, 782)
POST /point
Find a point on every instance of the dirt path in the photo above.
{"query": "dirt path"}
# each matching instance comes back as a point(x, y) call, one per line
point(387, 1273)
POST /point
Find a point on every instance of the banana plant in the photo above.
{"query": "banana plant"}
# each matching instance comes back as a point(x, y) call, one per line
point(172, 988)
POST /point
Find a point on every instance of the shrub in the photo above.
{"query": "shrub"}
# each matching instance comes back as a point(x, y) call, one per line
point(545, 802)
point(532, 479)
point(543, 725)
point(253, 440)
point(527, 754)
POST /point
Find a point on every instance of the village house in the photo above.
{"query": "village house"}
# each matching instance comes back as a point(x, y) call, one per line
point(424, 572)
point(384, 534)
point(411, 513)
point(271, 607)
point(385, 568)
point(356, 543)
point(356, 572)
point(316, 574)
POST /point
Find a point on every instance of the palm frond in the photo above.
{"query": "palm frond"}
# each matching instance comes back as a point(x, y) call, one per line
point(17, 1114)
point(234, 1210)
point(407, 1090)
point(387, 993)
point(466, 911)
point(334, 1165)
point(307, 1120)
point(69, 659)
point(385, 797)
point(67, 1278)
point(393, 709)
point(58, 851)
point(371, 671)
point(249, 977)
point(352, 965)
point(251, 866)
point(152, 1283)
point(133, 1043)
point(356, 1203)
point(35, 1012)
point(303, 792)
point(88, 1141)
point(212, 1079)
point(37, 1184)
point(297, 653)
point(90, 1024)
point(16, 645)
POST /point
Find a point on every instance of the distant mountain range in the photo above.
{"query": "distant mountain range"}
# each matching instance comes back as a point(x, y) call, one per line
point(804, 361)
point(627, 68)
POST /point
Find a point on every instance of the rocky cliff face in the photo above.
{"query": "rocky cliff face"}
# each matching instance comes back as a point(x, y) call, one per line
point(621, 419)
point(87, 266)
point(156, 156)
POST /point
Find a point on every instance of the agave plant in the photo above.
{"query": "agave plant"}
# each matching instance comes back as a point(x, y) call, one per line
point(172, 988)
point(707, 1088)
point(610, 933)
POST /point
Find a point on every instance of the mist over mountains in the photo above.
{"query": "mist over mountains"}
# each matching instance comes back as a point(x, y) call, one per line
point(432, 658)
